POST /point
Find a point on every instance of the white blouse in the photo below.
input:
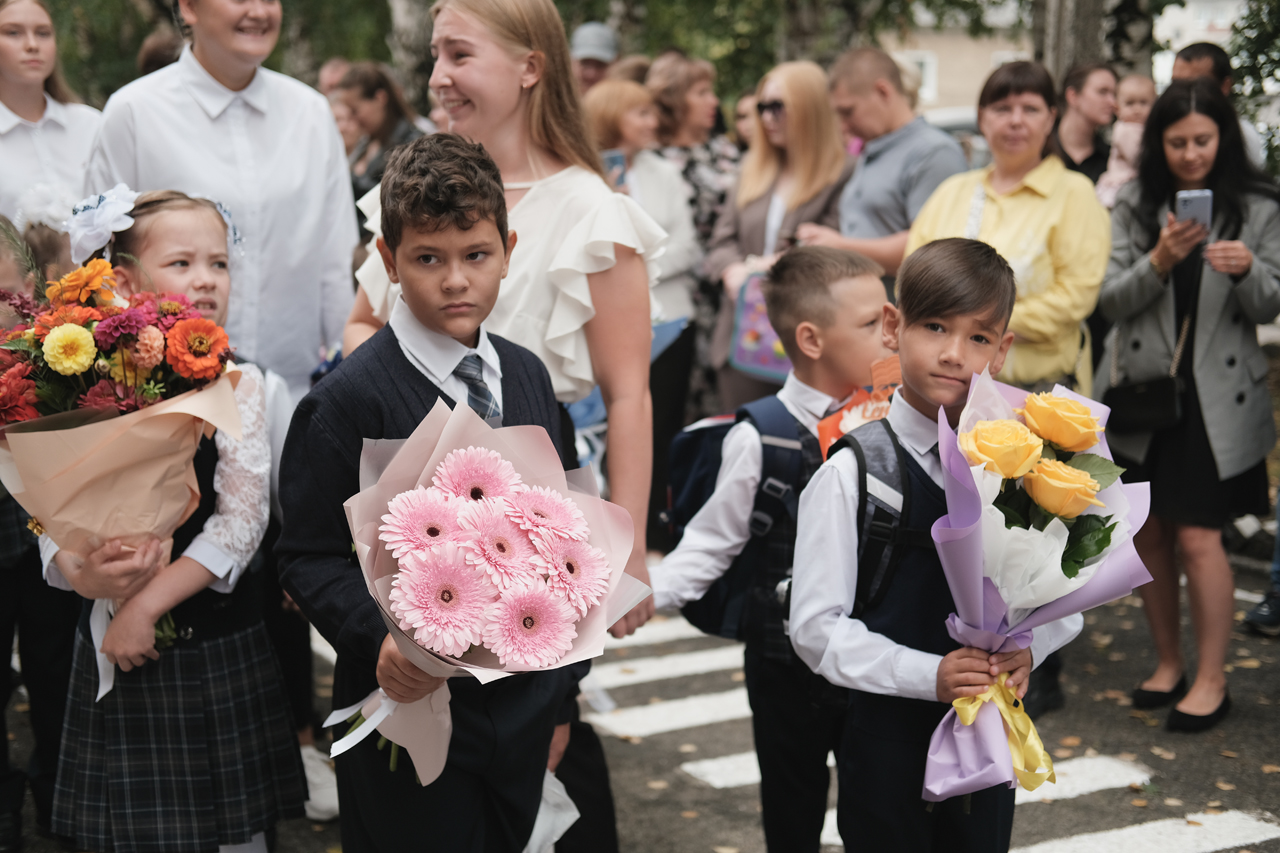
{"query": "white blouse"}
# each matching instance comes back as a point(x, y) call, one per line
point(53, 151)
point(658, 187)
point(567, 225)
point(272, 155)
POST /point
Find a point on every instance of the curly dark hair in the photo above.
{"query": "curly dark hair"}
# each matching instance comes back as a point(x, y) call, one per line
point(440, 181)
point(1233, 175)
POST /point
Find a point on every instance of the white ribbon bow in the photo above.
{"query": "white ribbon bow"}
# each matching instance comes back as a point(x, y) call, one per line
point(95, 219)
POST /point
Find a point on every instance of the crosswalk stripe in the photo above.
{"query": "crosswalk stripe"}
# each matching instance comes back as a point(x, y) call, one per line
point(731, 771)
point(689, 712)
point(626, 672)
point(656, 630)
point(1196, 833)
point(1087, 775)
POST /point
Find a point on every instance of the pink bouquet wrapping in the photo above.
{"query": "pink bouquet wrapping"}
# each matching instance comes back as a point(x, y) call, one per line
point(1009, 575)
point(485, 559)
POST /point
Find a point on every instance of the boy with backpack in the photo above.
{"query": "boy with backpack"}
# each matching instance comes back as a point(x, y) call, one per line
point(870, 601)
point(826, 305)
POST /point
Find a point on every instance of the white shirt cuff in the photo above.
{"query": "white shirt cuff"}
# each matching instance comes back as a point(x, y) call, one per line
point(52, 575)
point(219, 563)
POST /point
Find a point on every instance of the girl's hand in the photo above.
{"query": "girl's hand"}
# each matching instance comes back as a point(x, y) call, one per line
point(1177, 239)
point(1017, 664)
point(131, 638)
point(964, 672)
point(733, 277)
point(1230, 257)
point(112, 571)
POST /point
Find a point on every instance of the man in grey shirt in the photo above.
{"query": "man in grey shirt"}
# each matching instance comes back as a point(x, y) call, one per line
point(903, 160)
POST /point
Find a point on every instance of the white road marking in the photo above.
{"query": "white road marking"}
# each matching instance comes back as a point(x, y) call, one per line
point(1196, 833)
point(624, 672)
point(731, 771)
point(320, 646)
point(656, 631)
point(1251, 597)
point(677, 714)
point(1080, 776)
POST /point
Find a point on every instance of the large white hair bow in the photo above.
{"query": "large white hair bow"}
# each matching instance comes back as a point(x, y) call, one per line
point(95, 219)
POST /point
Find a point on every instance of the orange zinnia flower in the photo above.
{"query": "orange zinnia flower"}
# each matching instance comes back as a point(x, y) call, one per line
point(81, 284)
point(195, 348)
point(75, 314)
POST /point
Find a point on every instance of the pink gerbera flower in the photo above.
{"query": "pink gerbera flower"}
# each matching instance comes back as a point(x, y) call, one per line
point(547, 511)
point(476, 473)
point(419, 520)
point(441, 600)
point(575, 571)
point(495, 544)
point(529, 626)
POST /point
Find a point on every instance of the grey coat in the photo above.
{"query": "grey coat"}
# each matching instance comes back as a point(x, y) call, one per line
point(1229, 367)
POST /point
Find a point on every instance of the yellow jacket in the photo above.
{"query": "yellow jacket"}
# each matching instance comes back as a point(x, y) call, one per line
point(1056, 236)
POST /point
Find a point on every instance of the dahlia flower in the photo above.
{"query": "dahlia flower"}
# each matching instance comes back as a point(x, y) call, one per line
point(69, 349)
point(148, 350)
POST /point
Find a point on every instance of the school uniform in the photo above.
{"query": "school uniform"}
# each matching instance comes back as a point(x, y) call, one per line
point(195, 750)
point(889, 657)
point(797, 716)
point(487, 797)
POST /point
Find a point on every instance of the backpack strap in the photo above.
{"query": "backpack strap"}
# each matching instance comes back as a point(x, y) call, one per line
point(884, 499)
point(781, 460)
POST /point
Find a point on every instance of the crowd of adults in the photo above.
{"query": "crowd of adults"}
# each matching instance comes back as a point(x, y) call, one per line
point(673, 229)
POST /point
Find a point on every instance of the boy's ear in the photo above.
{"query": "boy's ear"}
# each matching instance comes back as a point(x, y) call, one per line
point(511, 247)
point(388, 260)
point(891, 328)
point(997, 363)
point(809, 340)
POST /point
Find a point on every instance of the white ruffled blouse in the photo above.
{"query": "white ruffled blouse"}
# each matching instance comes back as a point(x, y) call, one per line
point(567, 225)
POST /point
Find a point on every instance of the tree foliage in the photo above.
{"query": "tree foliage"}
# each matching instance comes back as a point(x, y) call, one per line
point(1255, 52)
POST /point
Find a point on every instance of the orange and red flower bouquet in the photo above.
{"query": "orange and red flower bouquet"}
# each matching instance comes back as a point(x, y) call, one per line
point(103, 401)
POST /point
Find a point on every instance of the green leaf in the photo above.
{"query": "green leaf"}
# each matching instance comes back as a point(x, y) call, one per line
point(1098, 467)
point(1089, 546)
point(1071, 568)
point(1039, 518)
point(1011, 517)
point(1048, 452)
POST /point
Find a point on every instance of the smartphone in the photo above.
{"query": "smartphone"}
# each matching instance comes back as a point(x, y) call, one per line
point(615, 166)
point(1196, 205)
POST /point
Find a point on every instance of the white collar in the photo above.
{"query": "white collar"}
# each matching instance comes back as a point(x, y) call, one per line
point(53, 111)
point(435, 354)
point(913, 429)
point(808, 399)
point(212, 96)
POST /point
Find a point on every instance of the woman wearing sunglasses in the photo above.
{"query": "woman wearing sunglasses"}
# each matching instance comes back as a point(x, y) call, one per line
point(793, 173)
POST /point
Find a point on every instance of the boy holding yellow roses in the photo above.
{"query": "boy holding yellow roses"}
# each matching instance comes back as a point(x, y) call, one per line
point(955, 298)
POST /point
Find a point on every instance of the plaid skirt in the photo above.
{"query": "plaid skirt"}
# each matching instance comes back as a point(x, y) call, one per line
point(185, 754)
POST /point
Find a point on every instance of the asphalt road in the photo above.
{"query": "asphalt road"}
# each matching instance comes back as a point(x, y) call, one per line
point(1124, 782)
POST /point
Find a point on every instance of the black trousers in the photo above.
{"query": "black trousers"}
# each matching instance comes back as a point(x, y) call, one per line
point(45, 619)
point(486, 799)
point(797, 718)
point(669, 377)
point(290, 634)
point(881, 769)
point(585, 777)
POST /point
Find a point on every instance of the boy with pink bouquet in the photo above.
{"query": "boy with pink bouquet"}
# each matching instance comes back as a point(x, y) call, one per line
point(881, 632)
point(445, 241)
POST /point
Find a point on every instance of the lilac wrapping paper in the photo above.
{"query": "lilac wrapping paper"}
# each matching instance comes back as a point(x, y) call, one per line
point(965, 759)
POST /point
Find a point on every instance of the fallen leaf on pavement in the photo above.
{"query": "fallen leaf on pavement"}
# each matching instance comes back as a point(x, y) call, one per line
point(1249, 663)
point(1142, 804)
point(658, 784)
point(724, 850)
point(689, 814)
point(688, 747)
point(1172, 801)
point(1128, 756)
point(1063, 753)
point(1242, 653)
point(1090, 753)
point(1114, 694)
point(1226, 753)
point(1072, 740)
point(1213, 811)
point(1194, 823)
point(1224, 786)
point(1116, 657)
point(1271, 768)
point(1135, 786)
point(1166, 754)
point(1213, 804)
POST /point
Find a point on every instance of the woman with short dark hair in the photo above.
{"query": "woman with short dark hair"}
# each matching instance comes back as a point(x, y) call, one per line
point(378, 106)
point(1186, 301)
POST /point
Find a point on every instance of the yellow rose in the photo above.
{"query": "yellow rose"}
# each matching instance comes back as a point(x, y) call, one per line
point(1061, 421)
point(1060, 489)
point(69, 349)
point(1006, 448)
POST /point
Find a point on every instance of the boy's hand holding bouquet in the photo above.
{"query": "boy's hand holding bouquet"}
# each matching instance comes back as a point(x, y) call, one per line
point(1039, 527)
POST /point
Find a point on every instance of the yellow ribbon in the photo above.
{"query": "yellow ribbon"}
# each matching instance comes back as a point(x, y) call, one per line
point(1025, 747)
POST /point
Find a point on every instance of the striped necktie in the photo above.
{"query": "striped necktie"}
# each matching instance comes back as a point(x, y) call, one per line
point(470, 371)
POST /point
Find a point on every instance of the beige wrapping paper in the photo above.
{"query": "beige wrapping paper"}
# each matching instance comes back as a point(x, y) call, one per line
point(123, 477)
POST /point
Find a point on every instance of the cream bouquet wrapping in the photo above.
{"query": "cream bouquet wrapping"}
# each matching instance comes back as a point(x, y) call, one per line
point(485, 559)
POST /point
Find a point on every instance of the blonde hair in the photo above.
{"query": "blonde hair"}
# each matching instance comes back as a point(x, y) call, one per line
point(816, 154)
point(670, 78)
point(127, 244)
point(607, 102)
point(55, 85)
point(555, 121)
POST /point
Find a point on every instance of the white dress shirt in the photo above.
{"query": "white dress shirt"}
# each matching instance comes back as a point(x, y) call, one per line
point(272, 155)
point(52, 151)
point(825, 581)
point(658, 187)
point(436, 356)
point(721, 529)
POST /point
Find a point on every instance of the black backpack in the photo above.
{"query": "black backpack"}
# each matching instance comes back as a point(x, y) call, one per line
point(694, 466)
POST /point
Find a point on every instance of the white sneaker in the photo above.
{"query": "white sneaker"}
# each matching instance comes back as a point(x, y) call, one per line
point(322, 785)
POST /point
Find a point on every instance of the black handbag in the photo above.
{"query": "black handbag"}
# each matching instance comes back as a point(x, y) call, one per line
point(1146, 406)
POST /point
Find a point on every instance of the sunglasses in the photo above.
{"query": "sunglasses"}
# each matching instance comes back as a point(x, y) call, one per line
point(777, 108)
